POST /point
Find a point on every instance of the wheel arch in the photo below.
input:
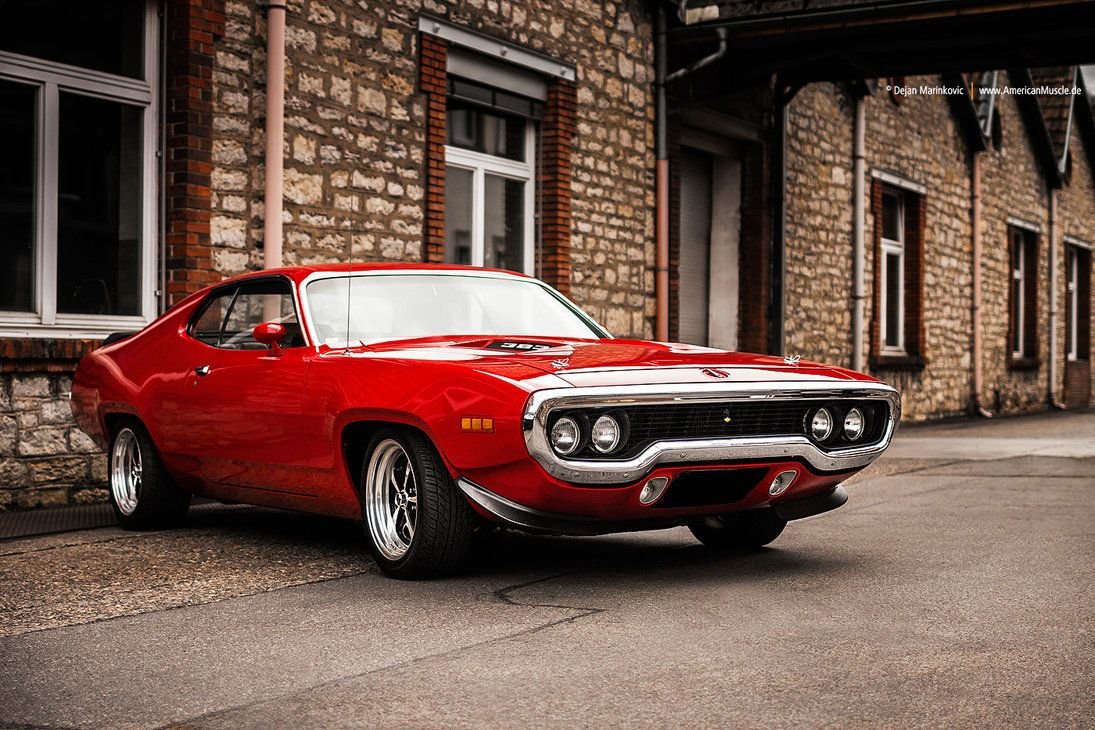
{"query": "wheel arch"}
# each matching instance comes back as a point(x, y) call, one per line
point(357, 434)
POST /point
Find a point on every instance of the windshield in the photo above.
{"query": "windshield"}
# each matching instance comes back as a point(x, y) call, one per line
point(406, 306)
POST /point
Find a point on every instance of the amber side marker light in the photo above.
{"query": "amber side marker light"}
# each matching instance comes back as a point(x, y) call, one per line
point(475, 424)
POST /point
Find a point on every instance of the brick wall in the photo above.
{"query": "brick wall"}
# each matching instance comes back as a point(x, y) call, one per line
point(193, 27)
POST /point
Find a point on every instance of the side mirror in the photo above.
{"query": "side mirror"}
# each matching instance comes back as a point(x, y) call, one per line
point(270, 334)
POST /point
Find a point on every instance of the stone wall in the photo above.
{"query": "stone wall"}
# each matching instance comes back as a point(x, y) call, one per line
point(918, 141)
point(1012, 185)
point(818, 254)
point(355, 137)
point(44, 459)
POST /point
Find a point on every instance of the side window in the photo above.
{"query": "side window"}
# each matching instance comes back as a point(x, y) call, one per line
point(228, 318)
point(207, 327)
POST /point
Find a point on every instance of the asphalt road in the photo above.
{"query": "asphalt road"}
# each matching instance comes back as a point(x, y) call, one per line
point(955, 588)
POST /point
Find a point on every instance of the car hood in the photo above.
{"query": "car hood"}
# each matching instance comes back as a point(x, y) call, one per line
point(588, 363)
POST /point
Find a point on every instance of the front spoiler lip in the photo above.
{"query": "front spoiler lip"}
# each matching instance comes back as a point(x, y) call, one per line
point(577, 471)
point(529, 518)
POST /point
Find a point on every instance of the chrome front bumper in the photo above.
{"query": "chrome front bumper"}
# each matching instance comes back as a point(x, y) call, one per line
point(607, 471)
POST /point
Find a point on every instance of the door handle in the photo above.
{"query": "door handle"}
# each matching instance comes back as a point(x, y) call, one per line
point(201, 371)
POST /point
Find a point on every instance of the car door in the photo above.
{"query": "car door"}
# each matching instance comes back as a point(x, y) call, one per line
point(242, 402)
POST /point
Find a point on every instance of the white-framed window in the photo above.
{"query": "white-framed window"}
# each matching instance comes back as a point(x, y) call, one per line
point(892, 273)
point(490, 175)
point(78, 182)
point(1022, 294)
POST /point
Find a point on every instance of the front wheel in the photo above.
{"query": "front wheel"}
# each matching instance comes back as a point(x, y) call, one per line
point(417, 523)
point(142, 493)
point(746, 530)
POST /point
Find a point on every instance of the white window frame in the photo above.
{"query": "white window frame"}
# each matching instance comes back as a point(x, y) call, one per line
point(1018, 274)
point(480, 165)
point(1018, 233)
point(890, 247)
point(51, 79)
point(1072, 293)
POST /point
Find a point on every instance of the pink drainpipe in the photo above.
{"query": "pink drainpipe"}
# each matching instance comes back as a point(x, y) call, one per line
point(275, 133)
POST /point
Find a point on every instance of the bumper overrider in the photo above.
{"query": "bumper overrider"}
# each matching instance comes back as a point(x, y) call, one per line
point(675, 455)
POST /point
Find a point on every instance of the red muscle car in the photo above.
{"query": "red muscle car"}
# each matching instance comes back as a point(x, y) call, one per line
point(428, 400)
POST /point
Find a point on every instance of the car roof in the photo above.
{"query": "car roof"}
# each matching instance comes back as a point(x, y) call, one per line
point(299, 273)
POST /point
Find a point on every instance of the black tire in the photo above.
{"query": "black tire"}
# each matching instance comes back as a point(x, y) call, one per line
point(444, 521)
point(747, 530)
point(159, 502)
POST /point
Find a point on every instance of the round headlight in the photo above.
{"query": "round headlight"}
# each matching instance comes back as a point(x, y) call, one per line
point(605, 435)
point(854, 424)
point(821, 425)
point(565, 436)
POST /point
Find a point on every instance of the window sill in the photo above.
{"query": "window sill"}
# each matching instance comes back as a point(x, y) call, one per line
point(1023, 363)
point(910, 363)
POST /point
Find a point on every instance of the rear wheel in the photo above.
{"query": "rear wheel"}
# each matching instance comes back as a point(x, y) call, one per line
point(745, 530)
point(143, 495)
point(417, 523)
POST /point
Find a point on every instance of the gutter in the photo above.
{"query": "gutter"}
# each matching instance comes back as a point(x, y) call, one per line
point(661, 180)
point(1053, 309)
point(858, 243)
point(275, 135)
point(975, 235)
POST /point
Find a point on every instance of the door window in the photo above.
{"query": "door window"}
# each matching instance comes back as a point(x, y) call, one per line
point(229, 316)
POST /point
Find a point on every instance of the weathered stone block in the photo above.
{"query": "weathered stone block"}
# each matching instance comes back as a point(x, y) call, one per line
point(13, 474)
point(39, 497)
point(30, 386)
point(60, 470)
point(8, 434)
point(42, 441)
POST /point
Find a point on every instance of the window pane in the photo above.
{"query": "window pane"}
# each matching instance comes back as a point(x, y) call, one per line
point(893, 300)
point(474, 128)
point(891, 216)
point(458, 215)
point(1016, 314)
point(207, 327)
point(103, 36)
point(17, 135)
point(504, 223)
point(266, 301)
point(99, 207)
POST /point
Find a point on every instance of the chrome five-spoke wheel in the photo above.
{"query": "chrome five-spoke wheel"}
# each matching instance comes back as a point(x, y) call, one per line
point(126, 471)
point(391, 499)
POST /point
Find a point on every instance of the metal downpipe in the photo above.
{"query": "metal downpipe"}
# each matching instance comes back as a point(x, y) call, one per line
point(859, 255)
point(275, 134)
point(975, 245)
point(661, 181)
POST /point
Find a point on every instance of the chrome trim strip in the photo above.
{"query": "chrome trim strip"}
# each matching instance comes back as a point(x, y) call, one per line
point(579, 471)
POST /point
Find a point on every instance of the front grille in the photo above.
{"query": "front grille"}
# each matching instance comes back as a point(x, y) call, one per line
point(713, 420)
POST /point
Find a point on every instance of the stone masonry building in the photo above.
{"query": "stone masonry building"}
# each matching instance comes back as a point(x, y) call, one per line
point(520, 134)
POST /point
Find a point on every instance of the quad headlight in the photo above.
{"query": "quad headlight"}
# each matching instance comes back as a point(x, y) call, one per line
point(821, 425)
point(566, 436)
point(606, 434)
point(854, 424)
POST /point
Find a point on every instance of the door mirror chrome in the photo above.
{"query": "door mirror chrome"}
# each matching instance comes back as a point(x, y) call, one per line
point(270, 334)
